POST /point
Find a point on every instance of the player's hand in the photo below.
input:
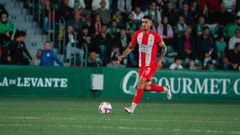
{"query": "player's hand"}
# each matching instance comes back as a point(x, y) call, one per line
point(32, 62)
point(120, 58)
point(235, 66)
point(8, 34)
point(12, 37)
point(9, 58)
point(159, 64)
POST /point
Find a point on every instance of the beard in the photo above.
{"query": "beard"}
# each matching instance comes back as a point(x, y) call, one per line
point(145, 28)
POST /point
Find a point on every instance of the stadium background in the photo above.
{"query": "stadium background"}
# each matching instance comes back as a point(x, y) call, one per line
point(37, 99)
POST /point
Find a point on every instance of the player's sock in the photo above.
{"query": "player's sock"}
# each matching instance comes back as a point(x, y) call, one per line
point(130, 110)
point(133, 106)
point(169, 93)
point(155, 87)
point(166, 89)
point(138, 95)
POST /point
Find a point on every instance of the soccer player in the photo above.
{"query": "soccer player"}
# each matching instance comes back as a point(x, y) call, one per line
point(148, 42)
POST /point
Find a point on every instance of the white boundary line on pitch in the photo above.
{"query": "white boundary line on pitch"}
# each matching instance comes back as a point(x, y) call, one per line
point(123, 128)
point(120, 119)
point(188, 121)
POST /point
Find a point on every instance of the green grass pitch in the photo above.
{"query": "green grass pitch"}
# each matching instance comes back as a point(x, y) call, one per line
point(79, 116)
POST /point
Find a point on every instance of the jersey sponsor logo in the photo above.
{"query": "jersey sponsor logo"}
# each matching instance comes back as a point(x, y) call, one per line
point(143, 48)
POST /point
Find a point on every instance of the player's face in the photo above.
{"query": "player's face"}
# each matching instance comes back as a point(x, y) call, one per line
point(146, 24)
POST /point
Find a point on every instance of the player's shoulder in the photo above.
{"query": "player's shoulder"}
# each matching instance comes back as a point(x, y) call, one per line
point(157, 36)
point(138, 31)
point(155, 33)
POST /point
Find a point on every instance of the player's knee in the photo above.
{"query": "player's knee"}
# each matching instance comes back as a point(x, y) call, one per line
point(147, 87)
point(142, 83)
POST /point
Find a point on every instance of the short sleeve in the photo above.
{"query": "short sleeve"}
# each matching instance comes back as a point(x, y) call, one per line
point(134, 39)
point(158, 39)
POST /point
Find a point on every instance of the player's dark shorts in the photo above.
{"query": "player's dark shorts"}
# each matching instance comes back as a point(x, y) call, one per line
point(147, 72)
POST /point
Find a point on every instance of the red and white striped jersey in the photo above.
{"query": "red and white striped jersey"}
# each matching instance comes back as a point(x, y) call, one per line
point(148, 47)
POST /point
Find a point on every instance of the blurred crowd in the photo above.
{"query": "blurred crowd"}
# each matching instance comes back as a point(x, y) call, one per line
point(200, 34)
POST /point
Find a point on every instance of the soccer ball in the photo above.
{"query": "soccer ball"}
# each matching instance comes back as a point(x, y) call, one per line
point(105, 108)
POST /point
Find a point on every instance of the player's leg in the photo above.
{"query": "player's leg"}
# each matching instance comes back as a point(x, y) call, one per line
point(139, 93)
point(141, 85)
point(154, 87)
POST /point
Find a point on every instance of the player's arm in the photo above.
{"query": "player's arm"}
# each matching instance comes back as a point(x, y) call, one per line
point(164, 50)
point(163, 53)
point(126, 52)
point(129, 48)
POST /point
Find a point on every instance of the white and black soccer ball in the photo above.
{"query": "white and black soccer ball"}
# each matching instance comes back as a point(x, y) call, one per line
point(105, 108)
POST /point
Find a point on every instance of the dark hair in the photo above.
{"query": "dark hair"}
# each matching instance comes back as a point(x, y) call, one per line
point(20, 33)
point(114, 58)
point(178, 57)
point(210, 62)
point(201, 16)
point(47, 42)
point(147, 17)
point(113, 20)
point(237, 44)
point(237, 17)
point(205, 27)
point(153, 2)
point(85, 27)
point(185, 3)
point(221, 36)
point(122, 28)
point(17, 34)
point(104, 25)
point(4, 13)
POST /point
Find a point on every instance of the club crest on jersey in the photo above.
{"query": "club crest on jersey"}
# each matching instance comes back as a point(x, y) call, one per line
point(151, 39)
